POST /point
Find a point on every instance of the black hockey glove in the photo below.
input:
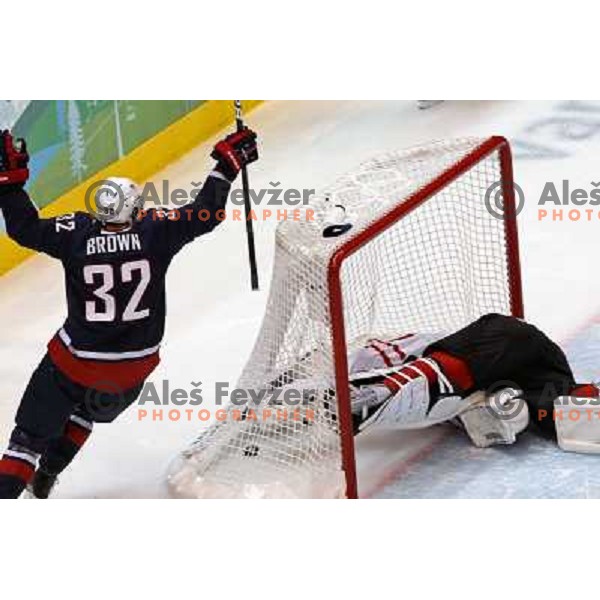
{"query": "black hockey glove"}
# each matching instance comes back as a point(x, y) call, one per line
point(13, 162)
point(234, 152)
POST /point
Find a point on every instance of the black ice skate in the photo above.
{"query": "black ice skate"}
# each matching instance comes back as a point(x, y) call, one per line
point(41, 485)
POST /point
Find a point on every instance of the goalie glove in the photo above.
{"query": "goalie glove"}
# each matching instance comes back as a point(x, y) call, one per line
point(235, 152)
point(13, 162)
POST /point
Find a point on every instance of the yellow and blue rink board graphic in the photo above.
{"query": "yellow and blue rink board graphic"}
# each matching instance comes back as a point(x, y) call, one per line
point(75, 142)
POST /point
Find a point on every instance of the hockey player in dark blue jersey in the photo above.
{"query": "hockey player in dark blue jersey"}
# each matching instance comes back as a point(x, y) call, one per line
point(115, 262)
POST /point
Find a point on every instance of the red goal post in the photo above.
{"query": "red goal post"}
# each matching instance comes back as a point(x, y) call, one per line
point(494, 144)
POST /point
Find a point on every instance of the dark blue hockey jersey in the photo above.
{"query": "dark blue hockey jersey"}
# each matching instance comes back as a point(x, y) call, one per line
point(115, 280)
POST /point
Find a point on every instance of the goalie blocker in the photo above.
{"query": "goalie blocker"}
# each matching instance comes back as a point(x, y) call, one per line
point(577, 424)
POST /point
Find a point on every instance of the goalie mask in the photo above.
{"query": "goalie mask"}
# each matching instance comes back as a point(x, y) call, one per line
point(118, 200)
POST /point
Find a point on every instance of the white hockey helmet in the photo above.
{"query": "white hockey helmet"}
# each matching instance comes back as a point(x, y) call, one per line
point(117, 200)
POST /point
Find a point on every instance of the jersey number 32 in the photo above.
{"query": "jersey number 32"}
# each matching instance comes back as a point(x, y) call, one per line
point(104, 308)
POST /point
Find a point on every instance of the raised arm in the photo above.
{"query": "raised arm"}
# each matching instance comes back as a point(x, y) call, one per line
point(183, 225)
point(23, 223)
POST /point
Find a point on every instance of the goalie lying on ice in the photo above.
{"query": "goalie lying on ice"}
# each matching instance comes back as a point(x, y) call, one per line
point(493, 378)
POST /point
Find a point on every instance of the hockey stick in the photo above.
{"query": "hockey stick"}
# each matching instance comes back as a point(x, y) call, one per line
point(249, 229)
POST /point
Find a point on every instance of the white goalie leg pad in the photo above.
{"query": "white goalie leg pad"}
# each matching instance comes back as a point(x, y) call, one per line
point(577, 423)
point(409, 408)
point(495, 420)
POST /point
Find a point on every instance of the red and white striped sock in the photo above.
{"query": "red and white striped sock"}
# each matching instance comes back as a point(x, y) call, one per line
point(17, 467)
point(456, 369)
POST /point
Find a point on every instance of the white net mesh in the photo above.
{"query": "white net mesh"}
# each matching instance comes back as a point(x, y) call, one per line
point(436, 269)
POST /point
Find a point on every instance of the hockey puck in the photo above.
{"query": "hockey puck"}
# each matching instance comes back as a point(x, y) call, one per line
point(336, 230)
point(251, 450)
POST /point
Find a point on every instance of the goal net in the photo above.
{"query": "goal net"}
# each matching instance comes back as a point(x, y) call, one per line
point(432, 246)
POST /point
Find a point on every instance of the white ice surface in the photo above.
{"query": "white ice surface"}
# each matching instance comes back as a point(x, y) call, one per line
point(213, 317)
